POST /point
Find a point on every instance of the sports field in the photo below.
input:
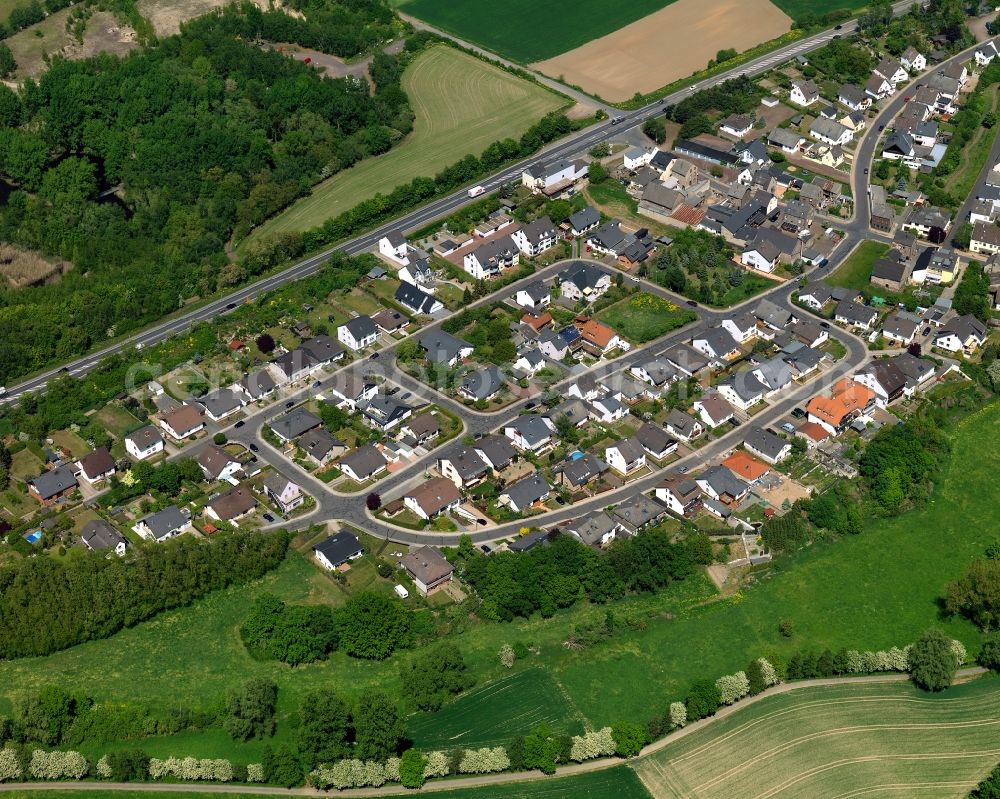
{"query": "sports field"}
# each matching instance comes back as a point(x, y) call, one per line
point(872, 740)
point(462, 105)
point(495, 713)
point(670, 44)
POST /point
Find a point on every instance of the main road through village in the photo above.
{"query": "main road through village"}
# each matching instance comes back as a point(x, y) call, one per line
point(350, 508)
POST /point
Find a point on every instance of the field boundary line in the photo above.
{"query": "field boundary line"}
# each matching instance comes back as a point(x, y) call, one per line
point(902, 786)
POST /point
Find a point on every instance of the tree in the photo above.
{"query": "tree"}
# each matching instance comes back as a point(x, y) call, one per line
point(703, 699)
point(541, 749)
point(963, 236)
point(219, 439)
point(265, 343)
point(629, 738)
point(7, 62)
point(656, 129)
point(989, 653)
point(882, 170)
point(250, 710)
point(326, 725)
point(596, 173)
point(372, 626)
point(411, 769)
point(976, 595)
point(281, 766)
point(435, 675)
point(373, 501)
point(933, 661)
point(378, 727)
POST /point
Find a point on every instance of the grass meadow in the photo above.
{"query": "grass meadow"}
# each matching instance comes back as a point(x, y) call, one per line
point(856, 271)
point(797, 9)
point(875, 739)
point(644, 317)
point(871, 591)
point(528, 30)
point(462, 105)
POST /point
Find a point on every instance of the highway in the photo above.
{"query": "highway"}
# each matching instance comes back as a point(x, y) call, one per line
point(564, 148)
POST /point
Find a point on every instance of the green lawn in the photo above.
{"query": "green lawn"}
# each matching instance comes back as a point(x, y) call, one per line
point(856, 271)
point(462, 105)
point(528, 30)
point(644, 317)
point(845, 740)
point(493, 714)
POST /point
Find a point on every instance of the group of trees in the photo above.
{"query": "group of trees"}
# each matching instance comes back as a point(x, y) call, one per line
point(698, 265)
point(843, 61)
point(167, 479)
point(48, 605)
point(205, 133)
point(368, 625)
point(972, 293)
point(334, 728)
point(558, 575)
point(734, 96)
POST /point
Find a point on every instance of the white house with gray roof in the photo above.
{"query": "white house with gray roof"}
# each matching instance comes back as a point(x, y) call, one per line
point(526, 492)
point(357, 333)
point(766, 445)
point(167, 523)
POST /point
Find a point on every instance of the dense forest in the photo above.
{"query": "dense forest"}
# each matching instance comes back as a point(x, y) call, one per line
point(47, 605)
point(205, 135)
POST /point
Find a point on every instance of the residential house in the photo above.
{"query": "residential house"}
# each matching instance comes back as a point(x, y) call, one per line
point(321, 447)
point(773, 373)
point(530, 432)
point(596, 529)
point(787, 140)
point(233, 505)
point(736, 125)
point(433, 497)
point(578, 470)
point(847, 401)
point(854, 314)
point(766, 445)
point(898, 329)
point(713, 409)
point(830, 132)
point(761, 255)
point(961, 334)
point(742, 390)
point(554, 178)
point(535, 237)
point(884, 378)
point(626, 456)
point(599, 339)
point(853, 97)
point(96, 465)
point(257, 385)
point(394, 247)
point(384, 412)
point(985, 238)
point(608, 408)
point(463, 466)
point(584, 221)
point(891, 273)
point(167, 523)
point(637, 513)
point(496, 452)
point(441, 347)
point(337, 550)
point(899, 146)
point(144, 443)
point(916, 370)
point(682, 425)
point(484, 384)
point(747, 468)
point(534, 295)
point(913, 60)
point(679, 493)
point(815, 295)
point(421, 429)
point(719, 483)
point(552, 345)
point(987, 51)
point(877, 87)
point(636, 157)
point(656, 441)
point(294, 423)
point(525, 493)
point(283, 492)
point(687, 359)
point(936, 266)
point(928, 222)
point(418, 273)
point(358, 333)
point(490, 258)
point(349, 390)
point(804, 93)
point(50, 487)
point(98, 536)
point(428, 569)
point(809, 333)
point(891, 70)
point(217, 464)
point(657, 372)
point(182, 422)
point(717, 344)
point(363, 464)
point(416, 300)
point(774, 318)
point(813, 434)
point(530, 362)
point(583, 281)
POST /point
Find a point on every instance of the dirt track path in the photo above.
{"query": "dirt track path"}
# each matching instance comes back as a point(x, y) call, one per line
point(466, 782)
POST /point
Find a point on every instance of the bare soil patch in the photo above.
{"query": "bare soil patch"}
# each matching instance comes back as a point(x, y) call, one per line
point(21, 268)
point(166, 16)
point(665, 46)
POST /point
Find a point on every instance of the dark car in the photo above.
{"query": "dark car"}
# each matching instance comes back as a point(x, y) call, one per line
point(317, 384)
point(866, 170)
point(485, 548)
point(798, 413)
point(373, 356)
point(230, 306)
point(290, 403)
point(881, 127)
point(824, 324)
point(254, 448)
point(560, 500)
point(528, 406)
point(838, 27)
point(268, 517)
point(927, 331)
point(692, 303)
point(735, 422)
point(239, 424)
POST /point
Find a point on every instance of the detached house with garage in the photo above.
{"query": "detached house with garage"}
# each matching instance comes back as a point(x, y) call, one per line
point(49, 487)
point(216, 464)
point(534, 295)
point(831, 132)
point(337, 550)
point(717, 345)
point(363, 463)
point(854, 314)
point(232, 506)
point(804, 93)
point(394, 247)
point(167, 523)
point(416, 300)
point(535, 237)
point(962, 334)
point(433, 497)
point(96, 466)
point(582, 280)
point(891, 70)
point(525, 493)
point(626, 456)
point(913, 59)
point(357, 333)
point(144, 443)
point(490, 258)
point(428, 569)
point(283, 492)
point(530, 432)
point(766, 446)
point(182, 422)
point(853, 97)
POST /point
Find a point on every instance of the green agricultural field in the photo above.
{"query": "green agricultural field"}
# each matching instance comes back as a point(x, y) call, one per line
point(619, 782)
point(495, 713)
point(462, 106)
point(644, 317)
point(848, 740)
point(856, 271)
point(797, 9)
point(528, 30)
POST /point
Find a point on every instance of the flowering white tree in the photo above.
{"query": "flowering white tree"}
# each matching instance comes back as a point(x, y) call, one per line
point(191, 768)
point(898, 659)
point(351, 774)
point(732, 687)
point(959, 649)
point(103, 768)
point(590, 745)
point(507, 656)
point(391, 769)
point(255, 772)
point(437, 765)
point(57, 765)
point(678, 714)
point(10, 766)
point(767, 671)
point(484, 761)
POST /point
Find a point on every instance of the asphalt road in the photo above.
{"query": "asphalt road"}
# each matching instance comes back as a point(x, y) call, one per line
point(566, 147)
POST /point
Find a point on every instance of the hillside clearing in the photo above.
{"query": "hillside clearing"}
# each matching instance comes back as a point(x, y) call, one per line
point(848, 740)
point(462, 105)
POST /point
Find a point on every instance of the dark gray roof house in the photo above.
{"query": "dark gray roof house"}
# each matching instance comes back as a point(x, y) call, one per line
point(595, 528)
point(258, 384)
point(318, 443)
point(496, 451)
point(723, 482)
point(577, 472)
point(482, 384)
point(465, 462)
point(767, 445)
point(165, 523)
point(638, 512)
point(442, 347)
point(364, 462)
point(584, 220)
point(361, 327)
point(416, 300)
point(526, 491)
point(98, 535)
point(338, 549)
point(51, 484)
point(220, 403)
point(295, 423)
